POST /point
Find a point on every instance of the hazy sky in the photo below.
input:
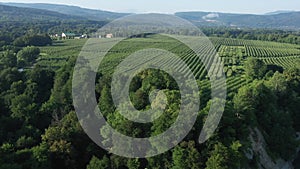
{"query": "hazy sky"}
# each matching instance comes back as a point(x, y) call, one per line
point(171, 6)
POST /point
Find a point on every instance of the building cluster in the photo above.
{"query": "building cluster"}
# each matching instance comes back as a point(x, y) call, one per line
point(70, 35)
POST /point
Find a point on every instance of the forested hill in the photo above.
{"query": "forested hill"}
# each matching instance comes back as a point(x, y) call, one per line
point(274, 20)
point(287, 20)
point(16, 22)
point(90, 14)
point(10, 13)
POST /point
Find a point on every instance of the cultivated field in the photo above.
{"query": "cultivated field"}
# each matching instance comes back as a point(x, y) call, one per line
point(233, 53)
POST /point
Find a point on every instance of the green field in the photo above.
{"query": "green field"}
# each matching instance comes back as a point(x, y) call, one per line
point(233, 53)
point(56, 55)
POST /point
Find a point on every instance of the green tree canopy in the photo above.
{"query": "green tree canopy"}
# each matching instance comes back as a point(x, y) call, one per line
point(96, 163)
point(255, 68)
point(27, 56)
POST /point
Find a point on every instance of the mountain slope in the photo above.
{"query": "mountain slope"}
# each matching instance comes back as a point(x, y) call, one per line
point(275, 20)
point(10, 13)
point(89, 14)
point(290, 20)
point(20, 21)
point(279, 12)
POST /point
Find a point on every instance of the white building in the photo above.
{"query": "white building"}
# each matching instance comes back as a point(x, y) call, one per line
point(109, 35)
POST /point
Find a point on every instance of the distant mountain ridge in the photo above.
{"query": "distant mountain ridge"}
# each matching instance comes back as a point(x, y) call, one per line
point(90, 14)
point(16, 14)
point(279, 12)
point(285, 20)
point(272, 20)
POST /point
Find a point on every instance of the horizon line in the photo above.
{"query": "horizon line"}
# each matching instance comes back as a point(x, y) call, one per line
point(154, 11)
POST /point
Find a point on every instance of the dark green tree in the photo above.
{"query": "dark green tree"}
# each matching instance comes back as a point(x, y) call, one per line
point(27, 56)
point(8, 59)
point(219, 158)
point(186, 156)
point(96, 163)
point(23, 107)
point(255, 68)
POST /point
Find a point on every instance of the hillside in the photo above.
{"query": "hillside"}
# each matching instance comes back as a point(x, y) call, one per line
point(62, 101)
point(273, 20)
point(89, 14)
point(263, 150)
point(10, 13)
point(20, 21)
point(279, 12)
point(289, 20)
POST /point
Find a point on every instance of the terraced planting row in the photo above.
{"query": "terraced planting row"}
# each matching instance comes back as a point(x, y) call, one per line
point(195, 64)
point(232, 53)
point(285, 62)
point(56, 55)
point(235, 51)
point(270, 52)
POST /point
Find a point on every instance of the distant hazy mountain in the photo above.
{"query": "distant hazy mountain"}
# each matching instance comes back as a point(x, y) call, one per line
point(275, 20)
point(89, 14)
point(10, 13)
point(279, 12)
point(285, 20)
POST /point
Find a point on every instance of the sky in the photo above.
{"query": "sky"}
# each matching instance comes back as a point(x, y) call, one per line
point(172, 6)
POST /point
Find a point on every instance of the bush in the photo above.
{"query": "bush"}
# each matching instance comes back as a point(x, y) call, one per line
point(27, 56)
point(255, 68)
point(33, 40)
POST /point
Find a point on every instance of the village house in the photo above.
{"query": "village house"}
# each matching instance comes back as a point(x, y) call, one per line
point(68, 35)
point(109, 35)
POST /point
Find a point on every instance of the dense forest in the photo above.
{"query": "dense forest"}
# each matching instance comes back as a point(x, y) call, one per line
point(39, 127)
point(254, 34)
